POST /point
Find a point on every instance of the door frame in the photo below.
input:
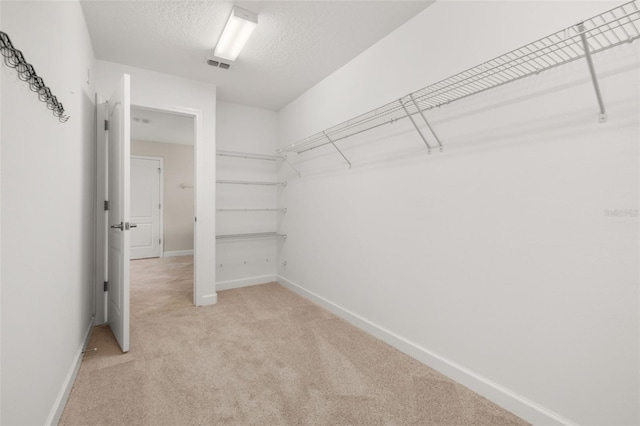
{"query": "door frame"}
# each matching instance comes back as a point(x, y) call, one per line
point(101, 192)
point(161, 160)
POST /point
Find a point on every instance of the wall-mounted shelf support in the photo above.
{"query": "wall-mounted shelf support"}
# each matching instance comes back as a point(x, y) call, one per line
point(415, 124)
point(425, 121)
point(594, 78)
point(337, 149)
point(286, 160)
point(250, 182)
point(250, 236)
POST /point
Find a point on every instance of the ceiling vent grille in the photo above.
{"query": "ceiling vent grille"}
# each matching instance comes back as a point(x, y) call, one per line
point(218, 64)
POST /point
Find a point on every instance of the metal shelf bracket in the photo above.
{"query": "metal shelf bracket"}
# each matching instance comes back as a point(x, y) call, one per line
point(337, 149)
point(415, 125)
point(602, 117)
point(286, 160)
point(426, 122)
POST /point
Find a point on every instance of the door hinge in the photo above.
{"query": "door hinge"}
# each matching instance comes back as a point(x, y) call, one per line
point(159, 170)
point(106, 205)
point(159, 241)
point(159, 206)
point(106, 285)
point(106, 124)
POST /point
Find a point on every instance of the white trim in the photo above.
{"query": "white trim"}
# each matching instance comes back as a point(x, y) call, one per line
point(67, 385)
point(175, 253)
point(102, 216)
point(209, 299)
point(161, 160)
point(245, 282)
point(517, 404)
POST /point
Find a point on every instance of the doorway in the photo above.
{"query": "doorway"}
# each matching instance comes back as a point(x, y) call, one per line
point(162, 195)
point(109, 285)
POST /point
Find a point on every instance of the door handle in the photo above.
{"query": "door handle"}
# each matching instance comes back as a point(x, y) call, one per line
point(124, 226)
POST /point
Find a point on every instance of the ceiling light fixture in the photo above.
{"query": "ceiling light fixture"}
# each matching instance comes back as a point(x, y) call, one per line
point(237, 31)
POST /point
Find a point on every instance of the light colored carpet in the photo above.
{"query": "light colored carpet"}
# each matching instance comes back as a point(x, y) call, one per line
point(262, 355)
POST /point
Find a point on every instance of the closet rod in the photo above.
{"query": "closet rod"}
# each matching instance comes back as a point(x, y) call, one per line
point(611, 28)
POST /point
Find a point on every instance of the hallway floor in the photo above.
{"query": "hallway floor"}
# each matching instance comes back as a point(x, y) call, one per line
point(262, 355)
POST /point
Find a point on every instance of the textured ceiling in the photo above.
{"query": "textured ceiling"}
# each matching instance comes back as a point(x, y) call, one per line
point(295, 45)
point(161, 127)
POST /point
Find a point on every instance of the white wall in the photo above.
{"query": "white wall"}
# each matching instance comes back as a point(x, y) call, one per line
point(157, 90)
point(47, 180)
point(493, 261)
point(253, 130)
point(0, 234)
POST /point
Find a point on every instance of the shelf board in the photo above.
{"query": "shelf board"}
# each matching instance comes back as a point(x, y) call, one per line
point(252, 210)
point(248, 155)
point(250, 182)
point(250, 236)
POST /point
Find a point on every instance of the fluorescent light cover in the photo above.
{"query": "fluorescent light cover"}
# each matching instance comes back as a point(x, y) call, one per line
point(236, 32)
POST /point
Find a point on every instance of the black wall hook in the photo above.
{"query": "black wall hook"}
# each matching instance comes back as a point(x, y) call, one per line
point(13, 58)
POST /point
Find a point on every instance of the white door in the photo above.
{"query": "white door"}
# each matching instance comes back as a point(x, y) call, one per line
point(146, 175)
point(119, 221)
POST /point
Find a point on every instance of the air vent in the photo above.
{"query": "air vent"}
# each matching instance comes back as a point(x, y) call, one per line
point(218, 64)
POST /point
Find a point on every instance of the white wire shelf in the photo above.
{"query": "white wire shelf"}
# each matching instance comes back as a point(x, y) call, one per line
point(609, 29)
point(250, 236)
point(253, 156)
point(250, 182)
point(221, 153)
point(252, 210)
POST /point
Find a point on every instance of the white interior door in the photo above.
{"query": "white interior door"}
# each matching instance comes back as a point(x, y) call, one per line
point(119, 214)
point(146, 204)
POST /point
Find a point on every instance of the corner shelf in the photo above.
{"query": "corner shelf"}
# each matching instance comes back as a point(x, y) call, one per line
point(252, 235)
point(604, 31)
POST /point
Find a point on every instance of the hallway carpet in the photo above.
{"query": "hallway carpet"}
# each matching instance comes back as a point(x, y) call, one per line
point(262, 356)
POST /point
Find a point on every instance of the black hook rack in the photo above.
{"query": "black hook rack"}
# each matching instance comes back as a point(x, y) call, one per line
point(13, 58)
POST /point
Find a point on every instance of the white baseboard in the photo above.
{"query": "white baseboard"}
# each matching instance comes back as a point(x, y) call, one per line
point(244, 282)
point(517, 404)
point(178, 253)
point(67, 385)
point(207, 300)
